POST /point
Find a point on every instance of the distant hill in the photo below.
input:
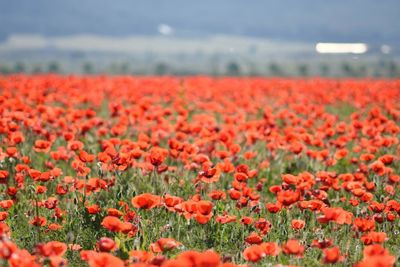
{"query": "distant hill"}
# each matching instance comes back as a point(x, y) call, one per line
point(368, 21)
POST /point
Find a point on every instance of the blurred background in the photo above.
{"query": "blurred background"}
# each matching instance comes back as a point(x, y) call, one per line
point(357, 38)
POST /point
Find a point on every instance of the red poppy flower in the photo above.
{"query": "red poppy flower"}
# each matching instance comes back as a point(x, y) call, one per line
point(298, 224)
point(254, 253)
point(101, 259)
point(106, 244)
point(293, 247)
point(146, 201)
point(332, 255)
point(164, 244)
point(253, 238)
point(52, 248)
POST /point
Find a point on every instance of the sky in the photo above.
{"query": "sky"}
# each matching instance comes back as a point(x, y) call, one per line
point(369, 21)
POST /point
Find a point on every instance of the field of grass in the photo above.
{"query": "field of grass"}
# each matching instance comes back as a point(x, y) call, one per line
point(198, 171)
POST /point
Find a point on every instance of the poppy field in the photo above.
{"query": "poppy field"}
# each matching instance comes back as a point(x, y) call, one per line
point(198, 171)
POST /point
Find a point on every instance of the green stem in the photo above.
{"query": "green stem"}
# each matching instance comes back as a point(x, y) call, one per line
point(37, 218)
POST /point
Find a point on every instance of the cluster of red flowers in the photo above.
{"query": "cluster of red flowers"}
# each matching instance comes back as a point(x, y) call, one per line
point(293, 167)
